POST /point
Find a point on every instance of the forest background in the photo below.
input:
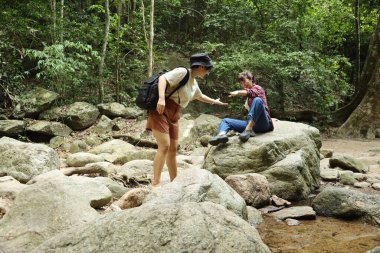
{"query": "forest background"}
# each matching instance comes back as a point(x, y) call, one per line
point(309, 55)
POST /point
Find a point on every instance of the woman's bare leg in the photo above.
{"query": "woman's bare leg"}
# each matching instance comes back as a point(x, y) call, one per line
point(163, 142)
point(250, 125)
point(171, 160)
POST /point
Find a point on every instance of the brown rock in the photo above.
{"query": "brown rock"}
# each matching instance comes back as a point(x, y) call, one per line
point(133, 198)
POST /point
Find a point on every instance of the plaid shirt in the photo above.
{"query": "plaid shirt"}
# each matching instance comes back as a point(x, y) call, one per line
point(258, 91)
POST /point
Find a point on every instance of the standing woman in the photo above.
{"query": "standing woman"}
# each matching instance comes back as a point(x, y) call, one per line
point(164, 120)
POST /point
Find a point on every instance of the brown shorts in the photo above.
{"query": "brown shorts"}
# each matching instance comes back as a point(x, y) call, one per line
point(167, 122)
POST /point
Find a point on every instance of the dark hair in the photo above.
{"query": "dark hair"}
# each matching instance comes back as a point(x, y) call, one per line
point(246, 75)
point(197, 66)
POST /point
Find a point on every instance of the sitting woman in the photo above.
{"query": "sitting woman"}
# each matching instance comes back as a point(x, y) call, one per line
point(258, 119)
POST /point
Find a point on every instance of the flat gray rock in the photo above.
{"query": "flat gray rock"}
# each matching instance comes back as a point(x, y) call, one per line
point(296, 212)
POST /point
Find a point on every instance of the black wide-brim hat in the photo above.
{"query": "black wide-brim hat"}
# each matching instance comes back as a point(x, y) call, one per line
point(201, 59)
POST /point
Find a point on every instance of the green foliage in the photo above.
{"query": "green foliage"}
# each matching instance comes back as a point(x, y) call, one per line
point(65, 67)
point(289, 77)
point(11, 74)
point(297, 49)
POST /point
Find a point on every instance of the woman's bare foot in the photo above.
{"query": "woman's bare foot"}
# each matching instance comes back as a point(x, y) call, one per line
point(155, 186)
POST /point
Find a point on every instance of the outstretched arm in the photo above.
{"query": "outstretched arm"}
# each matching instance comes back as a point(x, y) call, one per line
point(207, 99)
point(238, 93)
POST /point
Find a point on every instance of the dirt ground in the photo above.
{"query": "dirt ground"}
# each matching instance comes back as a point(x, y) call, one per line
point(327, 235)
point(356, 147)
point(366, 150)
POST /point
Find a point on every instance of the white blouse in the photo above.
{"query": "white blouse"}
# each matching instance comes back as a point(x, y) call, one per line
point(186, 93)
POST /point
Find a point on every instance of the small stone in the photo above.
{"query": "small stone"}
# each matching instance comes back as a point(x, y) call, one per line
point(327, 153)
point(277, 201)
point(292, 222)
point(329, 174)
point(360, 177)
point(347, 177)
point(376, 186)
point(133, 198)
point(362, 185)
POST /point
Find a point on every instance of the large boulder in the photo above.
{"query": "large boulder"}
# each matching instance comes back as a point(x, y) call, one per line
point(112, 146)
point(197, 185)
point(12, 127)
point(49, 207)
point(113, 110)
point(82, 158)
point(136, 170)
point(25, 160)
point(192, 130)
point(348, 162)
point(287, 156)
point(45, 130)
point(253, 187)
point(348, 204)
point(120, 152)
point(78, 116)
point(166, 228)
point(30, 104)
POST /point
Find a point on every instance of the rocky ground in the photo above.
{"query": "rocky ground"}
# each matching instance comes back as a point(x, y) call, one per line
point(324, 234)
point(327, 234)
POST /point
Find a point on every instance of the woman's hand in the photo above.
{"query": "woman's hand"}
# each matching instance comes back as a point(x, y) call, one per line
point(234, 93)
point(218, 102)
point(161, 105)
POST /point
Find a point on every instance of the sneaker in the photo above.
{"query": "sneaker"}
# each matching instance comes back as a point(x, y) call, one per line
point(218, 139)
point(244, 136)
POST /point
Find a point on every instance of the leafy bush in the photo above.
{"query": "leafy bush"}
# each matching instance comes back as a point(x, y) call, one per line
point(67, 68)
point(292, 80)
point(10, 71)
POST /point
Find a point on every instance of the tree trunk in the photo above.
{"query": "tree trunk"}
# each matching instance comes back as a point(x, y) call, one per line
point(369, 68)
point(104, 51)
point(365, 120)
point(149, 40)
point(358, 42)
point(150, 44)
point(54, 17)
point(118, 61)
point(131, 10)
point(61, 32)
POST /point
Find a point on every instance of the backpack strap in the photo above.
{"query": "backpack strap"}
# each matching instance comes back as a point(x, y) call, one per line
point(182, 83)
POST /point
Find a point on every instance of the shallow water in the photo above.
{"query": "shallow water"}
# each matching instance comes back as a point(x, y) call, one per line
point(323, 235)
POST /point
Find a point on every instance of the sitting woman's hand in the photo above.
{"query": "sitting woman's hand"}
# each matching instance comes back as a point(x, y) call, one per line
point(234, 93)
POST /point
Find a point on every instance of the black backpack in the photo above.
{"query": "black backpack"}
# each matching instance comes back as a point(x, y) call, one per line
point(147, 97)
